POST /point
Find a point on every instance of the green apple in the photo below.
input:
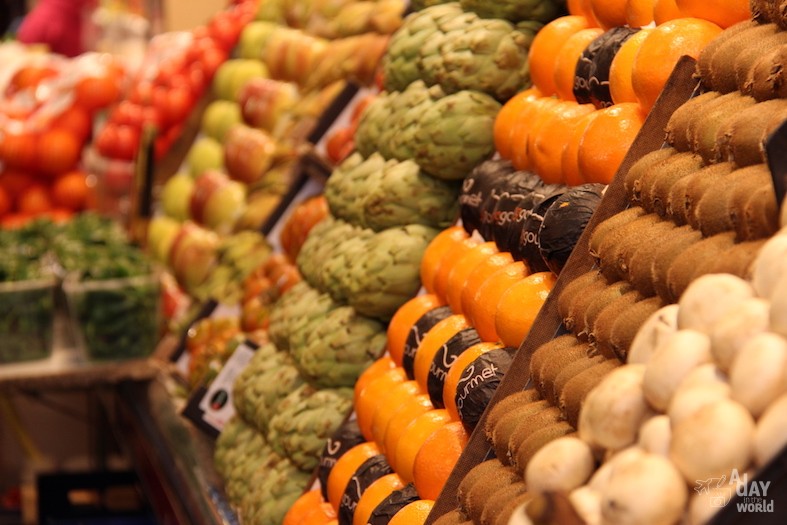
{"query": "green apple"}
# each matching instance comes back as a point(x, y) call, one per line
point(176, 196)
point(233, 74)
point(193, 255)
point(253, 39)
point(224, 206)
point(161, 232)
point(219, 117)
point(205, 154)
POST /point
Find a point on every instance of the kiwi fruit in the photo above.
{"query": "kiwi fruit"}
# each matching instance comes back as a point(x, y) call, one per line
point(650, 237)
point(454, 517)
point(704, 138)
point(641, 263)
point(574, 289)
point(678, 124)
point(701, 182)
point(722, 60)
point(578, 387)
point(494, 505)
point(570, 371)
point(659, 191)
point(761, 214)
point(638, 170)
point(508, 423)
point(477, 496)
point(681, 240)
point(602, 329)
point(528, 448)
point(662, 174)
point(508, 508)
point(531, 424)
point(746, 58)
point(703, 66)
point(765, 78)
point(737, 260)
point(716, 212)
point(763, 11)
point(477, 475)
point(746, 134)
point(756, 177)
point(603, 298)
point(609, 251)
point(552, 367)
point(545, 351)
point(626, 326)
point(505, 405)
point(714, 109)
point(676, 200)
point(575, 319)
point(781, 14)
point(685, 267)
point(610, 225)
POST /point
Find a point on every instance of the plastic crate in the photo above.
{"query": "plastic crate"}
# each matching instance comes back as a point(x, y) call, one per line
point(115, 319)
point(27, 311)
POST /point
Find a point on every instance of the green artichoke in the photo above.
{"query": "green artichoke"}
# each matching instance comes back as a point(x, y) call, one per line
point(517, 10)
point(244, 397)
point(276, 486)
point(235, 431)
point(286, 308)
point(348, 184)
point(306, 419)
point(270, 387)
point(373, 123)
point(407, 107)
point(455, 134)
point(241, 450)
point(315, 310)
point(319, 243)
point(400, 66)
point(335, 349)
point(389, 274)
point(418, 5)
point(333, 274)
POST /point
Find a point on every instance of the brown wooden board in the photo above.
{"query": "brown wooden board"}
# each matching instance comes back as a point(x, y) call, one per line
point(548, 324)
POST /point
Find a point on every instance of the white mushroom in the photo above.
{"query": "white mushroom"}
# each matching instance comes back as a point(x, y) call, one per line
point(614, 410)
point(561, 465)
point(734, 328)
point(770, 437)
point(655, 435)
point(601, 477)
point(710, 297)
point(704, 375)
point(673, 360)
point(713, 441)
point(658, 327)
point(757, 373)
point(519, 516)
point(778, 312)
point(646, 491)
point(687, 401)
point(704, 505)
point(587, 504)
point(769, 265)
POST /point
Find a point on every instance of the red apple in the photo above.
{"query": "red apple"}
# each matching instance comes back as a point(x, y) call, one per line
point(248, 153)
point(263, 101)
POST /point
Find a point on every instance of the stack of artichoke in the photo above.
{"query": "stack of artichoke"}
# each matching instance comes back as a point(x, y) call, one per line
point(514, 10)
point(379, 194)
point(447, 135)
point(273, 488)
point(455, 49)
point(240, 451)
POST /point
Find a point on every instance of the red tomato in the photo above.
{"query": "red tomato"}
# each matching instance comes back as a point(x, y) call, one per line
point(5, 202)
point(118, 141)
point(14, 221)
point(94, 93)
point(15, 182)
point(224, 30)
point(76, 120)
point(174, 104)
point(19, 150)
point(35, 200)
point(29, 77)
point(59, 151)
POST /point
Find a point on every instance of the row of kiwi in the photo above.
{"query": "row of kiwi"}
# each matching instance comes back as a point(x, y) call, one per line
point(730, 127)
point(765, 11)
point(747, 57)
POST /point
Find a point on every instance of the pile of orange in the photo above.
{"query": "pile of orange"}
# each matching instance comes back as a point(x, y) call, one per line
point(545, 130)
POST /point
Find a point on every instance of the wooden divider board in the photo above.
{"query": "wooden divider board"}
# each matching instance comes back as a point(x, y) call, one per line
point(548, 324)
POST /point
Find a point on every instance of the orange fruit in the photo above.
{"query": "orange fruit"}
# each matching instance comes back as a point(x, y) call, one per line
point(70, 190)
point(432, 342)
point(665, 10)
point(409, 409)
point(19, 150)
point(547, 152)
point(662, 49)
point(519, 306)
point(582, 8)
point(507, 118)
point(456, 371)
point(609, 13)
point(482, 313)
point(479, 274)
point(366, 401)
point(15, 182)
point(723, 13)
point(413, 437)
point(541, 117)
point(437, 457)
point(434, 252)
point(5, 202)
point(303, 505)
point(567, 58)
point(322, 514)
point(527, 127)
point(414, 513)
point(639, 12)
point(461, 270)
point(345, 468)
point(545, 47)
point(404, 319)
point(569, 158)
point(620, 87)
point(35, 200)
point(374, 495)
point(375, 370)
point(447, 264)
point(386, 408)
point(606, 141)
